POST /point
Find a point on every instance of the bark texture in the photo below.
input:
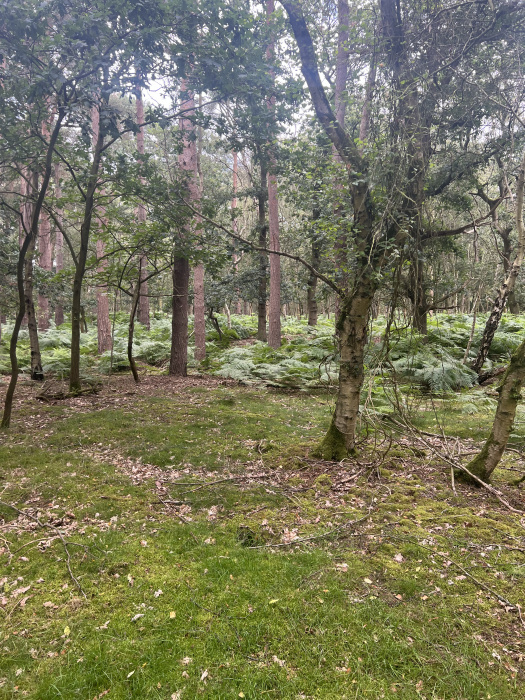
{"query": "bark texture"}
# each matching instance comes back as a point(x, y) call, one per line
point(59, 247)
point(103, 320)
point(509, 284)
point(263, 258)
point(488, 459)
point(274, 309)
point(143, 313)
point(45, 261)
point(179, 320)
point(80, 268)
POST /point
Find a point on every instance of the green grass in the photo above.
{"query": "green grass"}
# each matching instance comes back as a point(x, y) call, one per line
point(341, 617)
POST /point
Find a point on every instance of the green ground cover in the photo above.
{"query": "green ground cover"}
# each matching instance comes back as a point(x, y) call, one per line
point(217, 559)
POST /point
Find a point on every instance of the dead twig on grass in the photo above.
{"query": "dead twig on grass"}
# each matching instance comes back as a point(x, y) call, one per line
point(65, 543)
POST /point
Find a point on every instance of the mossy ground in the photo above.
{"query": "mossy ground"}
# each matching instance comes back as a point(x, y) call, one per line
point(177, 488)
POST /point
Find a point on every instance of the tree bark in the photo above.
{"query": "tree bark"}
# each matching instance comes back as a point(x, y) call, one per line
point(179, 320)
point(59, 248)
point(263, 258)
point(274, 310)
point(488, 459)
point(352, 327)
point(46, 263)
point(509, 284)
point(30, 235)
point(80, 268)
point(143, 314)
point(37, 372)
point(103, 320)
point(199, 312)
point(235, 258)
point(104, 338)
point(131, 329)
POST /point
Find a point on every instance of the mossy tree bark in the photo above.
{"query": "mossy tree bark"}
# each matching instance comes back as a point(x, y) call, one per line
point(488, 459)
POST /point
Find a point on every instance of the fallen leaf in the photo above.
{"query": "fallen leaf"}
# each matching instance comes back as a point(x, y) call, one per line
point(173, 614)
point(67, 631)
point(137, 616)
point(341, 567)
point(272, 602)
point(204, 675)
point(399, 558)
point(157, 593)
point(186, 661)
point(130, 674)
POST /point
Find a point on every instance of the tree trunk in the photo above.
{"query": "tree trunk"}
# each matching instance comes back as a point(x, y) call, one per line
point(488, 459)
point(37, 372)
point(263, 258)
point(509, 284)
point(46, 263)
point(352, 327)
point(235, 258)
point(131, 329)
point(199, 313)
point(59, 248)
point(274, 310)
point(143, 315)
point(85, 229)
point(179, 321)
point(30, 235)
point(103, 320)
point(312, 285)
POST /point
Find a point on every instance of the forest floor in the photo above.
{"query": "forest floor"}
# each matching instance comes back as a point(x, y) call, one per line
point(177, 540)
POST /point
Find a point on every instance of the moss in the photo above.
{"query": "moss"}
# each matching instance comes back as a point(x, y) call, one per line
point(333, 447)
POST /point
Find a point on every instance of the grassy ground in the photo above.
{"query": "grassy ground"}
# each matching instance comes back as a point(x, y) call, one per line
point(190, 547)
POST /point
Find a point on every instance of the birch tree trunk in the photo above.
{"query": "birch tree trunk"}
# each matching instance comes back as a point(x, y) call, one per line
point(488, 459)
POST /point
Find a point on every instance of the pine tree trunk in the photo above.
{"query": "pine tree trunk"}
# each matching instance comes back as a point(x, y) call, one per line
point(179, 321)
point(199, 314)
point(103, 320)
point(131, 330)
point(488, 459)
point(263, 258)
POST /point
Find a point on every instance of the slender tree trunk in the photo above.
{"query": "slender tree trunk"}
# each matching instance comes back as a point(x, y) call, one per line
point(131, 329)
point(32, 326)
point(235, 257)
point(143, 315)
point(59, 248)
point(488, 459)
point(509, 284)
point(45, 262)
point(263, 258)
point(179, 321)
point(30, 235)
point(85, 230)
point(340, 98)
point(312, 285)
point(274, 310)
point(103, 322)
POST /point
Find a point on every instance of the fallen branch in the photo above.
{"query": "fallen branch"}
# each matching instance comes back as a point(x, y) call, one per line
point(66, 543)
